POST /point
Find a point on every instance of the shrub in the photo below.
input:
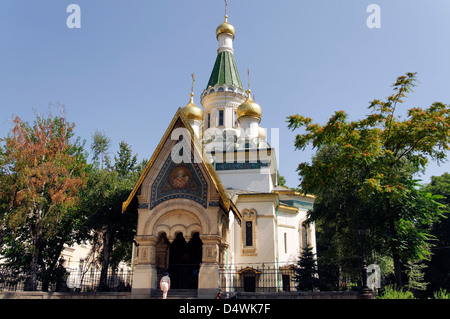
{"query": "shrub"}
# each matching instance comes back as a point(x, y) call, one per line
point(391, 292)
point(441, 294)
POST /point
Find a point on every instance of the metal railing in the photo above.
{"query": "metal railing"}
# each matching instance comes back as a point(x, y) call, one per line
point(251, 277)
point(67, 280)
point(273, 277)
point(257, 278)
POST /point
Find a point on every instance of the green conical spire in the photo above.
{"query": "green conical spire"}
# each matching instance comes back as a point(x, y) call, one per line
point(225, 71)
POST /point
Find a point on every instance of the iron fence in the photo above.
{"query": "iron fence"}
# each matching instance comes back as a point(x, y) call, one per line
point(67, 280)
point(257, 278)
point(262, 277)
point(273, 277)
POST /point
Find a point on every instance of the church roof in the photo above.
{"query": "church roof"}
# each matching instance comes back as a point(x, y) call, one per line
point(224, 197)
point(225, 71)
point(282, 189)
point(232, 192)
point(290, 191)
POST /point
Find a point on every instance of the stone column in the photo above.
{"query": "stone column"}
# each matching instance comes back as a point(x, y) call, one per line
point(144, 274)
point(208, 277)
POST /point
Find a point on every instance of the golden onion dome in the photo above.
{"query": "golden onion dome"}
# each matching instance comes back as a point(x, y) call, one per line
point(192, 111)
point(249, 109)
point(225, 28)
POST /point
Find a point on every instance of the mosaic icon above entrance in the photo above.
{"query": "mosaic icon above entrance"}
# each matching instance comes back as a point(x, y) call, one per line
point(179, 181)
point(180, 177)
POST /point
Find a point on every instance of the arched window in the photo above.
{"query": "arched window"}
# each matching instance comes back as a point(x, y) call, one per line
point(249, 232)
point(220, 120)
point(304, 238)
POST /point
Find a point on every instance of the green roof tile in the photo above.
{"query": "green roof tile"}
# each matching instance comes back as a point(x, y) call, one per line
point(225, 71)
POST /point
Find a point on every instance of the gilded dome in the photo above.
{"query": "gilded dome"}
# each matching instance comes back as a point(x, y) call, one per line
point(225, 28)
point(249, 109)
point(192, 111)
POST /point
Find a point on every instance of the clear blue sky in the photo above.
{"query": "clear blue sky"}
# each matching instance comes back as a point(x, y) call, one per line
point(127, 70)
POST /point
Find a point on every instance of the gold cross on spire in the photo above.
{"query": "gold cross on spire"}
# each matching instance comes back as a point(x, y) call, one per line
point(248, 79)
point(226, 6)
point(192, 86)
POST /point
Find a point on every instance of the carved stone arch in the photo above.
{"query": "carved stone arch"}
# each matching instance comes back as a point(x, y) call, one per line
point(192, 229)
point(178, 228)
point(194, 216)
point(163, 229)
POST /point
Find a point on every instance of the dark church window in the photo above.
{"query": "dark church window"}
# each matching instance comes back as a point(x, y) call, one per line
point(248, 233)
point(220, 117)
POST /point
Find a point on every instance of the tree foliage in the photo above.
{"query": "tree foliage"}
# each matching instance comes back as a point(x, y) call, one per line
point(51, 198)
point(100, 146)
point(438, 271)
point(124, 162)
point(111, 231)
point(306, 274)
point(363, 172)
point(42, 173)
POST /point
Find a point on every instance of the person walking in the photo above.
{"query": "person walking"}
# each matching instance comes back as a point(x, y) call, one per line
point(164, 284)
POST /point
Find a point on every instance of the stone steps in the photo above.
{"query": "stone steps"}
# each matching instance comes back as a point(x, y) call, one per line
point(176, 294)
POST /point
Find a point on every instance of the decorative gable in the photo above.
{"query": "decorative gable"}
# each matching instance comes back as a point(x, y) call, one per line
point(180, 180)
point(184, 180)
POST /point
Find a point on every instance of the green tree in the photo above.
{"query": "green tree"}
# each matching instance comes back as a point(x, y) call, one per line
point(438, 271)
point(281, 180)
point(306, 274)
point(100, 146)
point(42, 172)
point(112, 232)
point(4, 182)
point(124, 162)
point(375, 159)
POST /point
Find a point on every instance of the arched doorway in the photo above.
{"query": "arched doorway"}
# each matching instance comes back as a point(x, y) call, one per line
point(184, 261)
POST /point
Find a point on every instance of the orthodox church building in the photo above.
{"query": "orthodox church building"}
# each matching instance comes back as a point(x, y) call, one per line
point(209, 206)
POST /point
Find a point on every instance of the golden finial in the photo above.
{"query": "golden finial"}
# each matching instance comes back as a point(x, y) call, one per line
point(192, 86)
point(225, 27)
point(248, 81)
point(226, 15)
point(249, 108)
point(192, 111)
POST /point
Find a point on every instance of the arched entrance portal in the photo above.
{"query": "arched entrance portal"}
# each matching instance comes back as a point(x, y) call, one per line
point(184, 261)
